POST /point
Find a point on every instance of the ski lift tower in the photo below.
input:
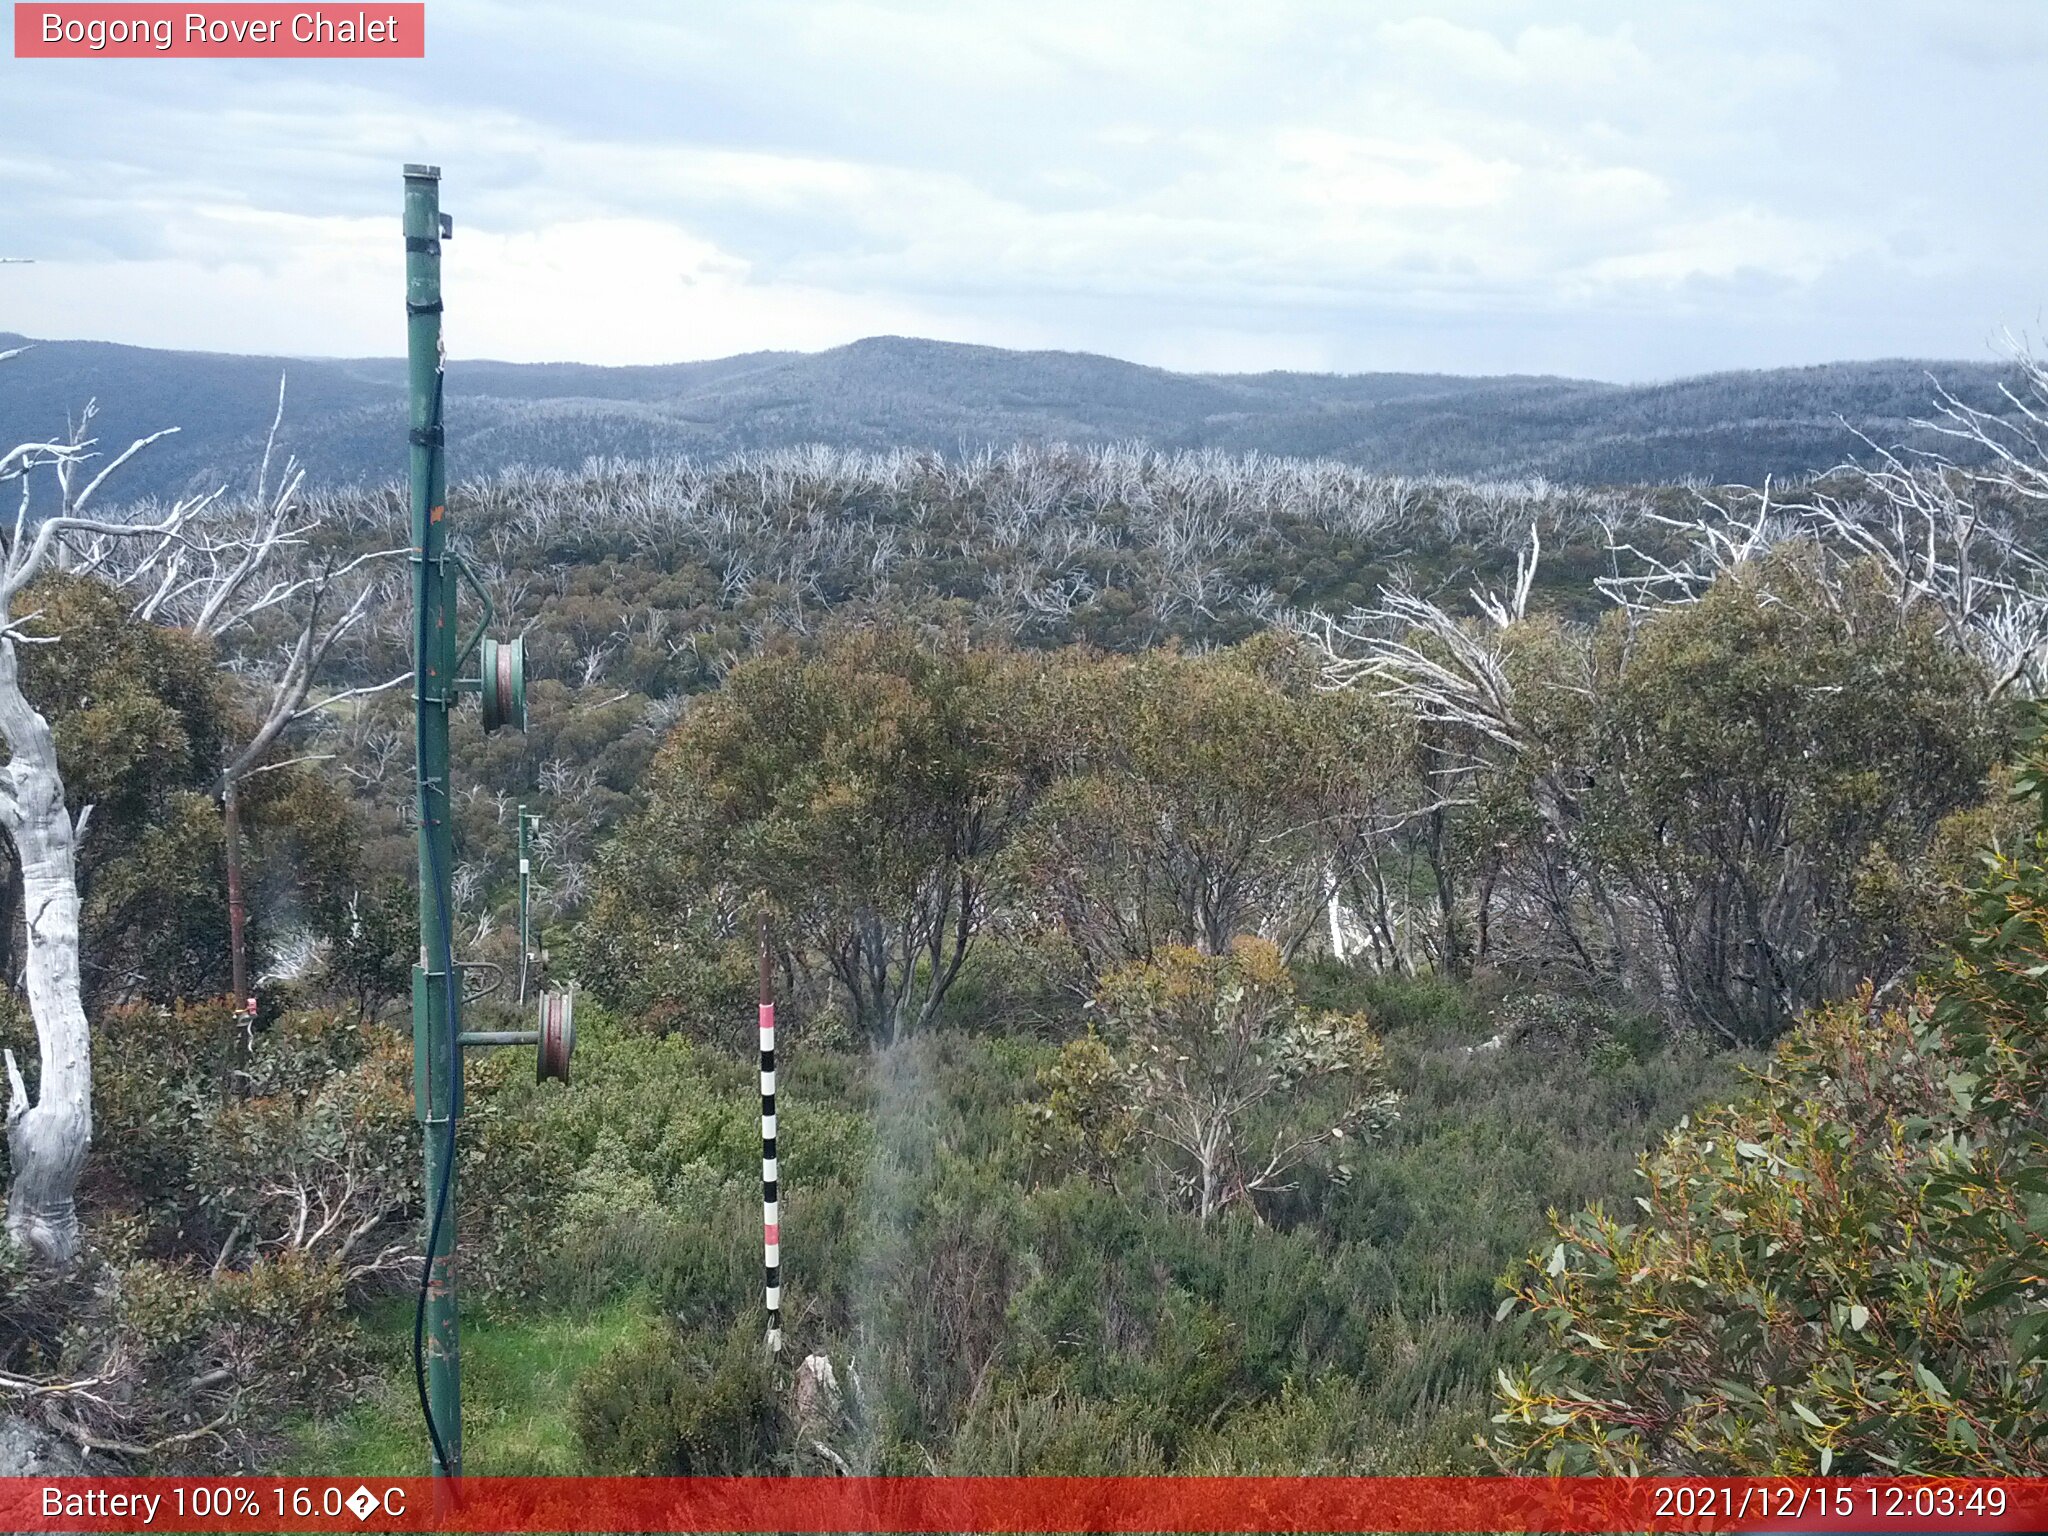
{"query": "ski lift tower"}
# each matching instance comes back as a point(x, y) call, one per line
point(439, 660)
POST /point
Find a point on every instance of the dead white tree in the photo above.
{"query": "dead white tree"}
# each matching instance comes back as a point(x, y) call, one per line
point(1452, 676)
point(1741, 526)
point(2008, 447)
point(1935, 532)
point(1448, 671)
point(47, 1136)
point(250, 566)
point(1920, 526)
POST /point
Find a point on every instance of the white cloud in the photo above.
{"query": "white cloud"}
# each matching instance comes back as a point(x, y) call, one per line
point(641, 292)
point(1346, 173)
point(623, 290)
point(1741, 240)
point(1248, 182)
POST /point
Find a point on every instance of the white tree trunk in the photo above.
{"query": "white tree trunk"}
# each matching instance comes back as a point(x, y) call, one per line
point(46, 1140)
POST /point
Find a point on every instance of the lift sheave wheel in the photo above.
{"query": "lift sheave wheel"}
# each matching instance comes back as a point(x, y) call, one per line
point(557, 1036)
point(503, 665)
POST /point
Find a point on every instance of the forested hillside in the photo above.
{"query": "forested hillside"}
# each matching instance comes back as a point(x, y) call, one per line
point(1221, 905)
point(889, 393)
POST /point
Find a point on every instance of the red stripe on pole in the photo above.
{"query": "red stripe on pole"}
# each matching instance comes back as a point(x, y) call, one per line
point(996, 1504)
point(771, 1211)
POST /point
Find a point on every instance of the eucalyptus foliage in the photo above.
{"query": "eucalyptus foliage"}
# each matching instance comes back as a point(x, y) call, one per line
point(1845, 1269)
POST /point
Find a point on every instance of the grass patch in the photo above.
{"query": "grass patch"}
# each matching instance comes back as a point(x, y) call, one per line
point(517, 1375)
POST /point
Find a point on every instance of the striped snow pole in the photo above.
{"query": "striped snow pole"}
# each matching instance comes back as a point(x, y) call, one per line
point(771, 1217)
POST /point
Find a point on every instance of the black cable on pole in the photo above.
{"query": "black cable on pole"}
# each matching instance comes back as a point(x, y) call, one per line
point(447, 959)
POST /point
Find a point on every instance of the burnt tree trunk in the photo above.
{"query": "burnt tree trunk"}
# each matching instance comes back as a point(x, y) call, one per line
point(238, 910)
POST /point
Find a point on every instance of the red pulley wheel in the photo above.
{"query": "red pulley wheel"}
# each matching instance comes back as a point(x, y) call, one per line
point(557, 1035)
point(503, 668)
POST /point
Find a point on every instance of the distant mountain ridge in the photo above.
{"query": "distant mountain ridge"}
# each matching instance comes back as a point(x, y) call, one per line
point(344, 417)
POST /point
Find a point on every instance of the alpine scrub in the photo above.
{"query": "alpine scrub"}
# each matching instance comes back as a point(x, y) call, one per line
point(1846, 1271)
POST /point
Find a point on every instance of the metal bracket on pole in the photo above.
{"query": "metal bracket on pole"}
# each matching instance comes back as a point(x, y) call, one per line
point(468, 647)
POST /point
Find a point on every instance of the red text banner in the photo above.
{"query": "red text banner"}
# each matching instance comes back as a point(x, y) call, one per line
point(240, 31)
point(1024, 1504)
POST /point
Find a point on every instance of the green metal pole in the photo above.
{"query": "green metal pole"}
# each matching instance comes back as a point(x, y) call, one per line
point(525, 926)
point(437, 1064)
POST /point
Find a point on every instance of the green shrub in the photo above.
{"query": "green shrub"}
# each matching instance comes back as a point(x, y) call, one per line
point(1050, 1434)
point(245, 1188)
point(643, 1173)
point(1843, 1271)
point(191, 1367)
point(1794, 1293)
point(1431, 1007)
point(1230, 1086)
point(660, 1407)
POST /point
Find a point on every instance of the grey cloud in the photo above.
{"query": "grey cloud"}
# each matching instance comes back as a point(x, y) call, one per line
point(1605, 188)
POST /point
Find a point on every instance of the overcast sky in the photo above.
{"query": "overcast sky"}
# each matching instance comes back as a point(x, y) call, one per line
point(1621, 191)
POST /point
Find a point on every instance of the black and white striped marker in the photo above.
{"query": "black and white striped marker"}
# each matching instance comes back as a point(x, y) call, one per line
point(771, 1205)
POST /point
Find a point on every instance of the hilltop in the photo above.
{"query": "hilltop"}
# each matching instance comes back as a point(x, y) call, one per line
point(345, 415)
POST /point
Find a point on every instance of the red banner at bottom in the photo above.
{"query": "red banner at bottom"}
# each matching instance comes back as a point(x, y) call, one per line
point(1024, 1504)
